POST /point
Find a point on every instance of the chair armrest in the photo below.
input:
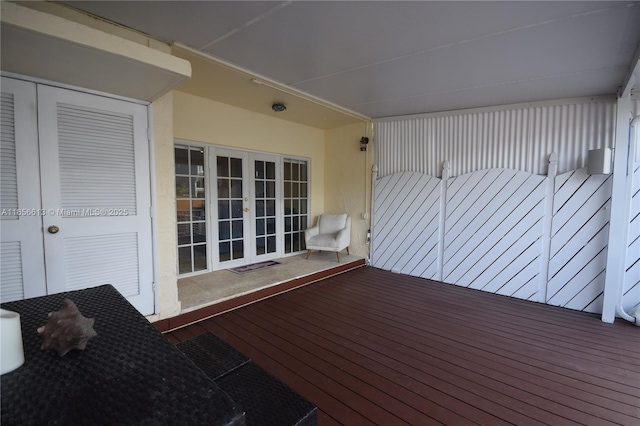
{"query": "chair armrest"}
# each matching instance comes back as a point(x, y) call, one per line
point(311, 232)
point(344, 235)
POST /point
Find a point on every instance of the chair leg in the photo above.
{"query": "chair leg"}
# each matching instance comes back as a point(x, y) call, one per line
point(338, 254)
point(308, 253)
point(347, 251)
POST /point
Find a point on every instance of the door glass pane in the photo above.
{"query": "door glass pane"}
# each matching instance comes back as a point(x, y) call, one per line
point(197, 190)
point(223, 209)
point(236, 188)
point(237, 231)
point(270, 189)
point(296, 190)
point(265, 202)
point(197, 210)
point(230, 206)
point(259, 169)
point(199, 232)
point(182, 160)
point(183, 213)
point(223, 166)
point(184, 234)
point(271, 244)
point(236, 167)
point(190, 208)
point(182, 187)
point(224, 232)
point(184, 260)
point(259, 189)
point(200, 257)
point(303, 172)
point(260, 227)
point(197, 163)
point(271, 207)
point(238, 249)
point(236, 208)
point(224, 251)
point(223, 188)
point(271, 226)
point(271, 170)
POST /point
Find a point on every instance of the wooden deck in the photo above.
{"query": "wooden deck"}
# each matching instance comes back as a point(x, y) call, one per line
point(373, 347)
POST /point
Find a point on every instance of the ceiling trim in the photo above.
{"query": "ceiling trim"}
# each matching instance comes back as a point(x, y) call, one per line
point(265, 81)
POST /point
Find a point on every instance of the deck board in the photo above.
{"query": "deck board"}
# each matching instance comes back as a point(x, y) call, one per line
point(373, 347)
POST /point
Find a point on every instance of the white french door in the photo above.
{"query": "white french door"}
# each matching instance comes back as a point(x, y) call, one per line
point(93, 223)
point(246, 207)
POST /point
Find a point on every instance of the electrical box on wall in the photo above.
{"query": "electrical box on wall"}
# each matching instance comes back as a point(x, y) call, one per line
point(599, 161)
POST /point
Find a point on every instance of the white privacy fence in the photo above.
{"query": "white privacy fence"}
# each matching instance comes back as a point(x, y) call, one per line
point(540, 238)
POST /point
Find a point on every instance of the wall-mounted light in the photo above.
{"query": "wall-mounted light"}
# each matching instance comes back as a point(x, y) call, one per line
point(278, 107)
point(363, 143)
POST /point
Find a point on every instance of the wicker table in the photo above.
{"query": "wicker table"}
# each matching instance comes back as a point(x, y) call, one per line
point(128, 374)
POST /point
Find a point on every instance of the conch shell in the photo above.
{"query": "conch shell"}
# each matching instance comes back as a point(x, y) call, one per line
point(67, 329)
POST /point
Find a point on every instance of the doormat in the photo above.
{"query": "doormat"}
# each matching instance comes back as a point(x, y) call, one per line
point(254, 267)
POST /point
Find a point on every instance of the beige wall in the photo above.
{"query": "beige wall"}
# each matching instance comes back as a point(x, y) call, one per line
point(203, 120)
point(165, 206)
point(348, 180)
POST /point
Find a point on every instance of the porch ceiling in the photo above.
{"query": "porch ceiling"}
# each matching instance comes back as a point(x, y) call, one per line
point(395, 58)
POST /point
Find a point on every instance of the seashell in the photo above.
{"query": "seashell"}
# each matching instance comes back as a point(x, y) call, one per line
point(67, 329)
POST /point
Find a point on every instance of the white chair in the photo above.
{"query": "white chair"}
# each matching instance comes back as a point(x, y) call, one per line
point(331, 233)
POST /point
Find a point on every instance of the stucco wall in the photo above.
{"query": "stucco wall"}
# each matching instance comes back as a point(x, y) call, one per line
point(203, 120)
point(348, 180)
point(165, 206)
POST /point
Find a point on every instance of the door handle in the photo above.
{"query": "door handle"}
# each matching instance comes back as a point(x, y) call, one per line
point(53, 229)
point(246, 209)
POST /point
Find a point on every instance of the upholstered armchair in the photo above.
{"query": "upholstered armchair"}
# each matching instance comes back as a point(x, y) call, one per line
point(331, 233)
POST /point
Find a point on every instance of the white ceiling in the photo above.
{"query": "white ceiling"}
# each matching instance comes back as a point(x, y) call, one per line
point(388, 58)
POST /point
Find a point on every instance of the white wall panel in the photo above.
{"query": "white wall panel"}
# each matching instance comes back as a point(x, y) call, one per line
point(520, 138)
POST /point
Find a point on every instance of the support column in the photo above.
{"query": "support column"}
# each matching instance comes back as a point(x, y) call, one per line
point(442, 219)
point(619, 219)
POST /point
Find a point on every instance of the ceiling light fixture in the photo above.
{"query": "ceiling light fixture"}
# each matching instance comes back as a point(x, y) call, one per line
point(310, 98)
point(278, 107)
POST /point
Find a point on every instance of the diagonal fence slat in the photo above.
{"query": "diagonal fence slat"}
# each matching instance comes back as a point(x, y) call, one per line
point(580, 231)
point(493, 232)
point(405, 219)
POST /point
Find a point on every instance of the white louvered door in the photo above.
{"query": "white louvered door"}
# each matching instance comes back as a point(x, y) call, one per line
point(21, 251)
point(96, 192)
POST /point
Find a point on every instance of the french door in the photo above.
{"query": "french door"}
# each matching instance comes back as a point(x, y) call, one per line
point(75, 194)
point(246, 207)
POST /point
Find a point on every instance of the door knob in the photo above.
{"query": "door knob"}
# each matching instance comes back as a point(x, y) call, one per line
point(53, 229)
point(246, 209)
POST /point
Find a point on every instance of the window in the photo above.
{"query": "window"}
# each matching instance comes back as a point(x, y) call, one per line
point(190, 209)
point(296, 204)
